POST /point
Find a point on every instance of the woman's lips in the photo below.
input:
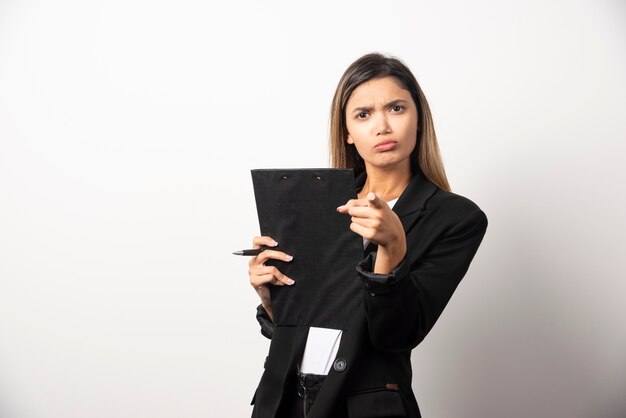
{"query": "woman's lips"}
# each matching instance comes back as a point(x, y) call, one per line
point(385, 146)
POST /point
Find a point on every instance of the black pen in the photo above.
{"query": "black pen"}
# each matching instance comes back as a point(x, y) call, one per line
point(253, 252)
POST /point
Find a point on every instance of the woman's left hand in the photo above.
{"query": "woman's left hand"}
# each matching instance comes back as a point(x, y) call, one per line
point(373, 219)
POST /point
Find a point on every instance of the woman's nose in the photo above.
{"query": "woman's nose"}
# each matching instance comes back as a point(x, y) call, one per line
point(383, 126)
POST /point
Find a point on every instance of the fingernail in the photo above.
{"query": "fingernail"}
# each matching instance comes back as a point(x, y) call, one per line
point(288, 258)
point(273, 243)
point(339, 207)
point(290, 282)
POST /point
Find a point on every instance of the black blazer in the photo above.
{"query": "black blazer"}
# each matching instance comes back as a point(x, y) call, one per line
point(371, 376)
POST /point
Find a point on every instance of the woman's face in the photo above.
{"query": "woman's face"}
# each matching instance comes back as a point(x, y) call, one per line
point(381, 118)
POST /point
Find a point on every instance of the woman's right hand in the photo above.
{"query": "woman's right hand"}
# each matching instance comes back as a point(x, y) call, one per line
point(261, 275)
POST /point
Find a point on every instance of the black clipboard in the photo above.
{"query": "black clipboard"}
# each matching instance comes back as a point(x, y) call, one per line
point(297, 208)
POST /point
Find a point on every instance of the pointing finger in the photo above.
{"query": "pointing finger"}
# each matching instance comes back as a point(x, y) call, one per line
point(352, 203)
point(374, 200)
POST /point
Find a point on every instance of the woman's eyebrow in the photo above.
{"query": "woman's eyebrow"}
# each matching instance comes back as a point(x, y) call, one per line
point(369, 108)
point(362, 109)
point(396, 102)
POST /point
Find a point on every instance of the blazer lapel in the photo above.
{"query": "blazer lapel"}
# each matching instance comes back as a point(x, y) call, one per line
point(414, 197)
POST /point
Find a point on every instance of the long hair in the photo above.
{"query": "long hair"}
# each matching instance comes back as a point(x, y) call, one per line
point(425, 157)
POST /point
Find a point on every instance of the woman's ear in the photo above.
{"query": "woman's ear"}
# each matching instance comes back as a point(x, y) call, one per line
point(349, 139)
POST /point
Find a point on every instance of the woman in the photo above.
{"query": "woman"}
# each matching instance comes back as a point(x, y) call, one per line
point(419, 240)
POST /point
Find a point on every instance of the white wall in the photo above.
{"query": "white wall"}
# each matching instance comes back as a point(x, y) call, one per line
point(127, 132)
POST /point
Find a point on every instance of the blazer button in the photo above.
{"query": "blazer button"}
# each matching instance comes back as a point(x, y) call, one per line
point(340, 365)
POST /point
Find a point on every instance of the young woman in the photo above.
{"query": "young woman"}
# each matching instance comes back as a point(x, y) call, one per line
point(419, 240)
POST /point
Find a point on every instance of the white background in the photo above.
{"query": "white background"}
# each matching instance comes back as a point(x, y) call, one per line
point(127, 132)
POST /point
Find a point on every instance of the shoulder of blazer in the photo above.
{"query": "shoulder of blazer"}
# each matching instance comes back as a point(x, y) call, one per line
point(448, 214)
point(450, 204)
point(439, 209)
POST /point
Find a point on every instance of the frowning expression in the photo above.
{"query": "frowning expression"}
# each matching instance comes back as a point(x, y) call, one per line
point(381, 118)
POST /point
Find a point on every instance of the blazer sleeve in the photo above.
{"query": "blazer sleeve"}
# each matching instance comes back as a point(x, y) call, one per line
point(267, 326)
point(402, 306)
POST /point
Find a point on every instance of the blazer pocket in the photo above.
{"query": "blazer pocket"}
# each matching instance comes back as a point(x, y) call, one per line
point(376, 403)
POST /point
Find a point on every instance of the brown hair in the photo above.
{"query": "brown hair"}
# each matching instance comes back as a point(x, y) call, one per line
point(425, 156)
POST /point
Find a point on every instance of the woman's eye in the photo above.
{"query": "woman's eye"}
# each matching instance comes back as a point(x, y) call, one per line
point(396, 108)
point(361, 115)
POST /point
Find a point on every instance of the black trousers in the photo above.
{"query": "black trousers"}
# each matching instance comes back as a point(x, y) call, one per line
point(301, 395)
